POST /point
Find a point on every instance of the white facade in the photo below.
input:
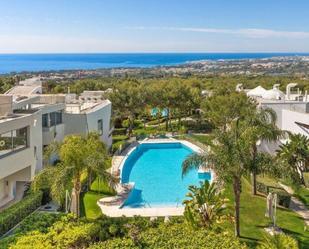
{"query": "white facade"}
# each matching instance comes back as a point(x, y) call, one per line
point(28, 122)
point(295, 122)
point(292, 108)
point(20, 153)
point(96, 119)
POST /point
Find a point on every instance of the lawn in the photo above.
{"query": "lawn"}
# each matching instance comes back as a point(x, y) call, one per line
point(253, 220)
point(89, 207)
point(302, 193)
point(205, 139)
point(252, 212)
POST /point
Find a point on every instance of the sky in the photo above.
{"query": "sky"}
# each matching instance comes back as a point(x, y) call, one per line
point(90, 26)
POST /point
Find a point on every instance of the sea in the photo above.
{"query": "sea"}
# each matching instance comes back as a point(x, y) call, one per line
point(17, 63)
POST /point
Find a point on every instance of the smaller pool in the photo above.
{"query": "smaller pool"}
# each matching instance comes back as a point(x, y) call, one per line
point(155, 168)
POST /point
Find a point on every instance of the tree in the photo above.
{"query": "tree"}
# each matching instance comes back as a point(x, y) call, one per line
point(205, 204)
point(128, 100)
point(262, 127)
point(294, 156)
point(224, 107)
point(77, 156)
point(227, 157)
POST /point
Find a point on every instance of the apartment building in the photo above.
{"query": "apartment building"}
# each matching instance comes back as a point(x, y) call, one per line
point(30, 120)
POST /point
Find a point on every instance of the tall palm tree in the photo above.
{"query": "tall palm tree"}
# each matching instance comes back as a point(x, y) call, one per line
point(226, 157)
point(262, 126)
point(77, 156)
point(295, 156)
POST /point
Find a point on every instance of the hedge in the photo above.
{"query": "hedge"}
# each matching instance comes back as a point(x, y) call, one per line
point(11, 216)
point(119, 138)
point(284, 198)
point(66, 233)
point(262, 188)
point(156, 121)
point(120, 131)
point(173, 236)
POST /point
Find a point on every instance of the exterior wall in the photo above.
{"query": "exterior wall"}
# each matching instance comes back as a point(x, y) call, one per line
point(54, 133)
point(290, 117)
point(3, 191)
point(278, 107)
point(20, 165)
point(92, 123)
point(30, 156)
point(75, 123)
point(83, 123)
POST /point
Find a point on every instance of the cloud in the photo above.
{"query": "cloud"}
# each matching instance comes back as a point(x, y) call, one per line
point(246, 32)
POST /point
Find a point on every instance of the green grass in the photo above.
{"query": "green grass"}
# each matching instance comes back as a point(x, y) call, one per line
point(268, 181)
point(204, 139)
point(89, 207)
point(306, 176)
point(253, 220)
point(302, 193)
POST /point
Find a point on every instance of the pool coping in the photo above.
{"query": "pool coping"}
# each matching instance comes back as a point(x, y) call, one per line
point(118, 211)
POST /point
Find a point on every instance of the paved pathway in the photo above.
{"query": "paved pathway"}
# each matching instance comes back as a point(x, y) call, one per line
point(296, 205)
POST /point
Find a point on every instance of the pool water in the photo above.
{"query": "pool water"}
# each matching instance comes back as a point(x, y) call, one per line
point(155, 168)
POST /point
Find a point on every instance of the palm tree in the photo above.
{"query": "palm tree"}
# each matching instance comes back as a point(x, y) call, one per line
point(77, 156)
point(294, 155)
point(204, 205)
point(226, 157)
point(261, 124)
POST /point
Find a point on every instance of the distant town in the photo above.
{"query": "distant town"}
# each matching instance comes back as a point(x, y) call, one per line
point(274, 66)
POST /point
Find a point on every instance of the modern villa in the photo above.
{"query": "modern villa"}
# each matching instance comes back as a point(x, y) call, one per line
point(30, 120)
point(291, 107)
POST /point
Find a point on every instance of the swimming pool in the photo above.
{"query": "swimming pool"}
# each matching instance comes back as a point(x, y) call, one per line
point(155, 169)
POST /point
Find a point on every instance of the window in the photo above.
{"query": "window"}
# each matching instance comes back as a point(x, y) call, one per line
point(52, 119)
point(13, 140)
point(58, 117)
point(45, 120)
point(100, 126)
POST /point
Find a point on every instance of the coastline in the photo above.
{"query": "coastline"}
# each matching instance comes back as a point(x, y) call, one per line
point(34, 63)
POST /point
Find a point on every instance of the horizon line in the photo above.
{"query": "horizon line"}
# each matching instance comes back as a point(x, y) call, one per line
point(161, 52)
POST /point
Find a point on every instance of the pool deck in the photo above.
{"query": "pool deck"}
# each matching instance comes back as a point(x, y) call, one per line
point(111, 206)
point(114, 211)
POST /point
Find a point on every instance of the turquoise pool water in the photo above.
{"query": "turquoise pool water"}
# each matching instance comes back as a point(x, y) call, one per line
point(155, 168)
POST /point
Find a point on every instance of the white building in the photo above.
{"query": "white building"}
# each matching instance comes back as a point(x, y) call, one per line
point(291, 107)
point(29, 121)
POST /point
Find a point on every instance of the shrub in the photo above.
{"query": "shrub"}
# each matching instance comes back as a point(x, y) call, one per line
point(156, 121)
point(136, 123)
point(67, 233)
point(38, 221)
point(262, 188)
point(117, 146)
point(283, 198)
point(176, 235)
point(119, 131)
point(278, 241)
point(119, 138)
point(16, 213)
